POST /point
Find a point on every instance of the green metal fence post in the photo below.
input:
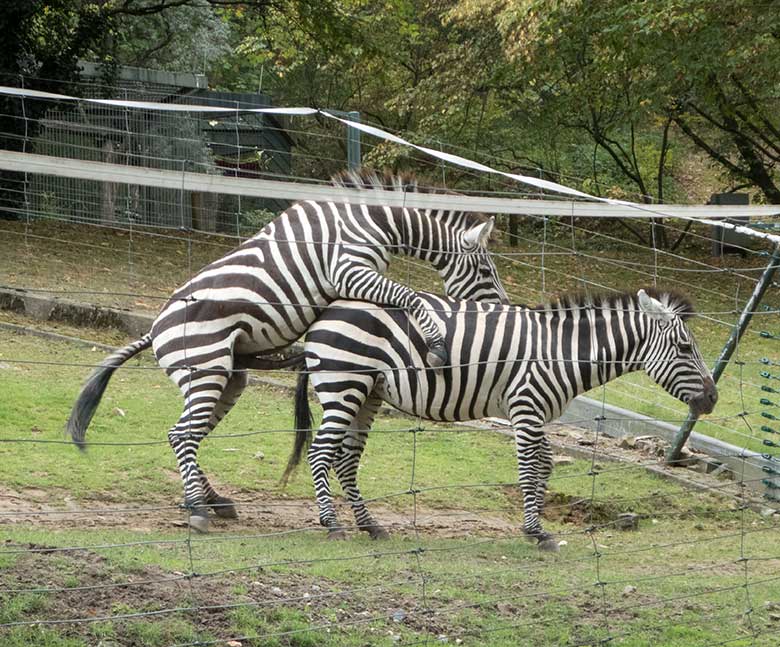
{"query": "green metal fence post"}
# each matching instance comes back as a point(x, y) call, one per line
point(353, 142)
point(725, 355)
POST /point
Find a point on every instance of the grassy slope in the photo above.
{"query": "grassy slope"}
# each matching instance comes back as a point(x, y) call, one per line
point(140, 269)
point(683, 562)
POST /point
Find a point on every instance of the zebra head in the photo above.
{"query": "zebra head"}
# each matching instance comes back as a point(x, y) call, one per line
point(469, 271)
point(671, 357)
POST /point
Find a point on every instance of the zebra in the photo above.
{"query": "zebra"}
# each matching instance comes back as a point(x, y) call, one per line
point(525, 364)
point(263, 295)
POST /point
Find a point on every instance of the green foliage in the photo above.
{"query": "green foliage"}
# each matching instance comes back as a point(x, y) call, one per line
point(623, 71)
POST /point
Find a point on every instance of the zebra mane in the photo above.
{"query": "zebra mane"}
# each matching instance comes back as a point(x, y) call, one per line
point(677, 302)
point(365, 178)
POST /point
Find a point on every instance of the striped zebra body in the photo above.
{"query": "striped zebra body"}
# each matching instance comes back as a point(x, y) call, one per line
point(262, 296)
point(524, 364)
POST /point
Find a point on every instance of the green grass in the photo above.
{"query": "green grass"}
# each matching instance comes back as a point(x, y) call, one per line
point(488, 593)
point(483, 584)
point(139, 271)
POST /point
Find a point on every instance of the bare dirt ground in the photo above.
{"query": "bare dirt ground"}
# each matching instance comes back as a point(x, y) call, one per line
point(257, 514)
point(261, 512)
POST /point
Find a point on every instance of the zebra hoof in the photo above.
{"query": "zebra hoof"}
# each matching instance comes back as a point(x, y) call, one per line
point(198, 523)
point(337, 534)
point(549, 545)
point(376, 532)
point(437, 355)
point(224, 508)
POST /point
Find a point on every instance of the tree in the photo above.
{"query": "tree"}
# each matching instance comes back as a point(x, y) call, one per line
point(41, 42)
point(622, 70)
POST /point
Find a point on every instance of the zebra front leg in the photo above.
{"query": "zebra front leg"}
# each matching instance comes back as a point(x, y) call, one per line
point(321, 456)
point(545, 469)
point(528, 442)
point(437, 355)
point(353, 280)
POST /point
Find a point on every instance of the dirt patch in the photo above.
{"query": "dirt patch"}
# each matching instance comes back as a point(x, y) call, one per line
point(85, 586)
point(256, 515)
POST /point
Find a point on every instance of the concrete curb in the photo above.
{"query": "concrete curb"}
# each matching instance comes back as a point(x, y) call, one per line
point(582, 412)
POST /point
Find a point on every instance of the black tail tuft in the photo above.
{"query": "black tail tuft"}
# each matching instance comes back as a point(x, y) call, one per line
point(89, 398)
point(303, 424)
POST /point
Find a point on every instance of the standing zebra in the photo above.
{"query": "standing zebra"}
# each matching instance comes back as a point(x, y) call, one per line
point(263, 296)
point(525, 364)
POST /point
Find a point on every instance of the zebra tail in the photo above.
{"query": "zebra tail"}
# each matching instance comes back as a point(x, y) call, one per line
point(92, 392)
point(303, 424)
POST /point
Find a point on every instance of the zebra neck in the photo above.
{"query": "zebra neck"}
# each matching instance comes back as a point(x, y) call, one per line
point(616, 343)
point(419, 232)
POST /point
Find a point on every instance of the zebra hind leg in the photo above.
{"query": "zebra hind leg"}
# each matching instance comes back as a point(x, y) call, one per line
point(223, 506)
point(341, 408)
point(202, 390)
point(322, 453)
point(347, 466)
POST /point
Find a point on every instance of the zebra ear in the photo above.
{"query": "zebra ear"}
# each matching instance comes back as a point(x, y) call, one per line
point(653, 307)
point(479, 235)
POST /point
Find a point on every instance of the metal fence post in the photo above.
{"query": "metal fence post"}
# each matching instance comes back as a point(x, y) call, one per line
point(731, 343)
point(353, 142)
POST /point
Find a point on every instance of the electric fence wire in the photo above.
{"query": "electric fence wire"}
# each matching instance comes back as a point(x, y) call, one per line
point(422, 576)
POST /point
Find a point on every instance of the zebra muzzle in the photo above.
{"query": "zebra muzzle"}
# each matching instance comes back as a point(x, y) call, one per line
point(705, 402)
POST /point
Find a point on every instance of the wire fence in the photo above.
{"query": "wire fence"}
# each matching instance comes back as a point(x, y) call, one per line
point(121, 565)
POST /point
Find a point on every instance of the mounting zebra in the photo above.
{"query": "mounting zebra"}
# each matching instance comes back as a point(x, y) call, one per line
point(525, 364)
point(263, 296)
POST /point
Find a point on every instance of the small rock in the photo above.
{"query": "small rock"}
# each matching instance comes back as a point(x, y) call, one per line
point(442, 638)
point(94, 349)
point(276, 590)
point(627, 521)
point(768, 512)
point(771, 606)
point(399, 615)
point(315, 587)
point(118, 412)
point(774, 617)
point(563, 460)
point(505, 607)
point(306, 596)
point(629, 442)
point(234, 643)
point(4, 366)
point(563, 542)
point(629, 590)
point(259, 456)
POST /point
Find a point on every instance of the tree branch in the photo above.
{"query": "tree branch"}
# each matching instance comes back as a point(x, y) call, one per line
point(699, 141)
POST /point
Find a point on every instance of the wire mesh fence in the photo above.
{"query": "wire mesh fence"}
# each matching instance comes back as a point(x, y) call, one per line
point(96, 549)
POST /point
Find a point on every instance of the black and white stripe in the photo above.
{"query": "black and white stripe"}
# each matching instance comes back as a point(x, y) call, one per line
point(525, 364)
point(263, 296)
